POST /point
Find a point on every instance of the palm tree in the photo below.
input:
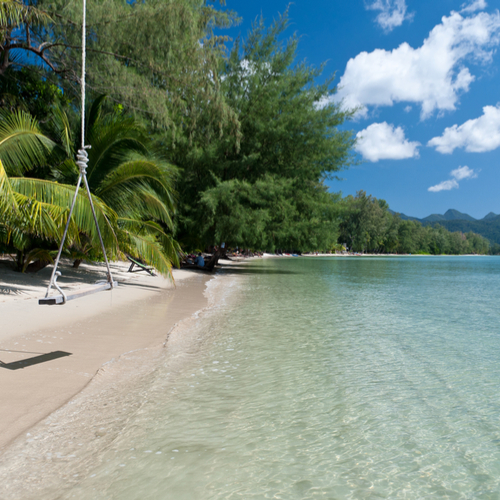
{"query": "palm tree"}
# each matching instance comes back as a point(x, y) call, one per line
point(127, 175)
point(132, 190)
point(34, 211)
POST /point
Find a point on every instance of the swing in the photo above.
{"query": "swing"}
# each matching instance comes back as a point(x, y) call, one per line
point(82, 160)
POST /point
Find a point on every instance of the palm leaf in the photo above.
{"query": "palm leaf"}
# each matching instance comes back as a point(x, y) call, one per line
point(147, 249)
point(8, 202)
point(41, 199)
point(142, 187)
point(171, 248)
point(112, 142)
point(37, 254)
point(22, 144)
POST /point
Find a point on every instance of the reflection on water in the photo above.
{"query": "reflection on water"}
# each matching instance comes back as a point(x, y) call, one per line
point(322, 378)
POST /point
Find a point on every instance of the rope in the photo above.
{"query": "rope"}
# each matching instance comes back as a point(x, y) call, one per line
point(84, 56)
point(82, 161)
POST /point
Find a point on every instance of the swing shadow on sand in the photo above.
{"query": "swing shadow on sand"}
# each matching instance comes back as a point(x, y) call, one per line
point(36, 360)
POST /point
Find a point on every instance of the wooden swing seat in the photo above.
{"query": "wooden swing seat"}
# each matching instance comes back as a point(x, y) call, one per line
point(77, 294)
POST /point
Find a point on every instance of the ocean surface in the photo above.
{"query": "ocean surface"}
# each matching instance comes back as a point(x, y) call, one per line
point(311, 378)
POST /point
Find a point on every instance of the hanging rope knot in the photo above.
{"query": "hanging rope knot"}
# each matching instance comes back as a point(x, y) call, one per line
point(82, 159)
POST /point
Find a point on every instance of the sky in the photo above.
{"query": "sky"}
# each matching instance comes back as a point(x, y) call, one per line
point(424, 75)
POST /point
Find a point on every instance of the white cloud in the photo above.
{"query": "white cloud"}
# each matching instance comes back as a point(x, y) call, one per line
point(474, 6)
point(392, 13)
point(476, 136)
point(432, 76)
point(458, 174)
point(444, 186)
point(463, 173)
point(381, 141)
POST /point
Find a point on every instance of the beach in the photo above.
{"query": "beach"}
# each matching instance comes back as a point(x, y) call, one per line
point(50, 353)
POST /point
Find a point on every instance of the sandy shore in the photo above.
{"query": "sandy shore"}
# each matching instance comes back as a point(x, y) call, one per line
point(50, 353)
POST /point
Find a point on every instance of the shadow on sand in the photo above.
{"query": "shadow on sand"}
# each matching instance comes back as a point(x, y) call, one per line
point(17, 365)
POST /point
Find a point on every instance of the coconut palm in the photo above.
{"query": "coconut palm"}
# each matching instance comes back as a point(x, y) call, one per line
point(132, 190)
point(129, 177)
point(33, 213)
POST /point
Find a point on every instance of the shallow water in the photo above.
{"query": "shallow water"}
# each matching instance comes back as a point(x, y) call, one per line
point(319, 378)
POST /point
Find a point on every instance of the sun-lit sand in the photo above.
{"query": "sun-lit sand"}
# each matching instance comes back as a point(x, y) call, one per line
point(50, 353)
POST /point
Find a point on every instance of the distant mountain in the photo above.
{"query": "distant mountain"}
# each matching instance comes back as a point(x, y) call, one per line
point(403, 216)
point(434, 218)
point(449, 215)
point(490, 228)
point(490, 216)
point(453, 220)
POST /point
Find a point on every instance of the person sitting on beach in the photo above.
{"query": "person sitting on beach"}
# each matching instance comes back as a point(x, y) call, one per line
point(200, 261)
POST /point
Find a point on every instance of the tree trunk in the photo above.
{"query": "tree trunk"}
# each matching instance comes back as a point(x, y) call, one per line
point(76, 263)
point(36, 266)
point(215, 258)
point(19, 260)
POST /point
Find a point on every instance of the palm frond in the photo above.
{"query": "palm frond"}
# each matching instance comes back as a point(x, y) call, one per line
point(148, 250)
point(112, 143)
point(22, 144)
point(42, 198)
point(7, 199)
point(61, 129)
point(151, 229)
point(142, 186)
point(37, 254)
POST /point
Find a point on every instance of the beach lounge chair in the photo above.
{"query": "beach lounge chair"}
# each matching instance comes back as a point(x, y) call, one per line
point(140, 265)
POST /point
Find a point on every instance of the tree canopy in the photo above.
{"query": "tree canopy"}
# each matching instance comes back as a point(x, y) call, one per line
point(265, 188)
point(366, 225)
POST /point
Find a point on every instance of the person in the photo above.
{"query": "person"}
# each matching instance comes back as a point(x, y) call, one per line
point(200, 261)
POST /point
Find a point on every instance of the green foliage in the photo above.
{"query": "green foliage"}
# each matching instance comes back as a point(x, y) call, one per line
point(156, 58)
point(489, 229)
point(264, 188)
point(131, 179)
point(133, 189)
point(366, 225)
point(22, 143)
point(29, 89)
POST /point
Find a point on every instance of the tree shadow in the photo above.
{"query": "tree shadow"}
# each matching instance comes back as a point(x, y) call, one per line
point(17, 365)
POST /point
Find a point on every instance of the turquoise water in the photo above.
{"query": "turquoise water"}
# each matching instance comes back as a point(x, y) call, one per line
point(330, 378)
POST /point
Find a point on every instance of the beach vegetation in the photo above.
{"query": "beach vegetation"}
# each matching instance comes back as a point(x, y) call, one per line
point(132, 190)
point(265, 188)
point(366, 225)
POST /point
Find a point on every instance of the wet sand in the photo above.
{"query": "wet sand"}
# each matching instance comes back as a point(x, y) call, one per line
point(48, 354)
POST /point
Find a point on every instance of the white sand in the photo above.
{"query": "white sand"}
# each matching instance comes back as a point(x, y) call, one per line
point(50, 353)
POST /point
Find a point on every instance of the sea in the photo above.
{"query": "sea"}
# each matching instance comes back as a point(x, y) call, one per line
point(306, 378)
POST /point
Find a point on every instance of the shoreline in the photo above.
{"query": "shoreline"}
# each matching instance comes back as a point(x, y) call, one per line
point(58, 451)
point(51, 353)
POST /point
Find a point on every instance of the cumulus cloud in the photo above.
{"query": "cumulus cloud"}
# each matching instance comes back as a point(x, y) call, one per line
point(464, 172)
point(474, 6)
point(392, 13)
point(458, 174)
point(432, 76)
point(476, 136)
point(382, 141)
point(444, 186)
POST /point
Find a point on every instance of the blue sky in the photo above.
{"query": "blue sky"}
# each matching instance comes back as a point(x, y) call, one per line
point(425, 74)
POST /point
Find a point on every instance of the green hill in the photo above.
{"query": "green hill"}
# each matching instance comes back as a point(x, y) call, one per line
point(489, 228)
point(449, 215)
point(490, 216)
point(453, 220)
